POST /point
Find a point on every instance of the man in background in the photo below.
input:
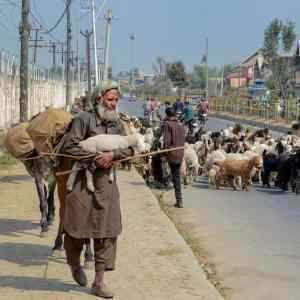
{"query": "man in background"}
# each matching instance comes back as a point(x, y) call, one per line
point(173, 137)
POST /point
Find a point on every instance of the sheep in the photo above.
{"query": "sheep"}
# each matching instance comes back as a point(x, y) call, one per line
point(105, 142)
point(191, 160)
point(149, 136)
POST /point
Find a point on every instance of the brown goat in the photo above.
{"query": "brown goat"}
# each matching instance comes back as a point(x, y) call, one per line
point(231, 169)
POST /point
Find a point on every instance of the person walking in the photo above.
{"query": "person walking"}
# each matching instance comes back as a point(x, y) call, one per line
point(96, 214)
point(173, 136)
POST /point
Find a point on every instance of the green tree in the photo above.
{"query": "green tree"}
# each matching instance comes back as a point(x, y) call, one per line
point(177, 74)
point(279, 37)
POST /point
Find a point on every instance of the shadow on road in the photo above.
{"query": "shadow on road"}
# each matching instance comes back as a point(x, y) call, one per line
point(137, 183)
point(15, 179)
point(38, 284)
point(13, 227)
point(271, 191)
point(24, 254)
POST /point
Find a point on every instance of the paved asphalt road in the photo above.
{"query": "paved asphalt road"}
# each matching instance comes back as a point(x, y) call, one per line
point(253, 237)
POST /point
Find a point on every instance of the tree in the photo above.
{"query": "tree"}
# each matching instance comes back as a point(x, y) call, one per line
point(176, 73)
point(279, 37)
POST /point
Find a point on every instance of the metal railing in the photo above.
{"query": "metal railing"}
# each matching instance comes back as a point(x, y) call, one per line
point(267, 112)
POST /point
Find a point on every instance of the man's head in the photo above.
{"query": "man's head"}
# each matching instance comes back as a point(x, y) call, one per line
point(170, 112)
point(107, 104)
point(106, 99)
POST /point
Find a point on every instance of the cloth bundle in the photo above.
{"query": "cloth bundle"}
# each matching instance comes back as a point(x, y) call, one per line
point(18, 142)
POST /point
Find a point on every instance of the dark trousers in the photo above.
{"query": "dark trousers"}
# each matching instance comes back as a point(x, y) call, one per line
point(105, 250)
point(189, 125)
point(175, 171)
point(157, 168)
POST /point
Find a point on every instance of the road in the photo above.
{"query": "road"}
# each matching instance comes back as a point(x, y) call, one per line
point(252, 237)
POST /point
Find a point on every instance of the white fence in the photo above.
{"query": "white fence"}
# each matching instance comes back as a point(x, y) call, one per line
point(45, 89)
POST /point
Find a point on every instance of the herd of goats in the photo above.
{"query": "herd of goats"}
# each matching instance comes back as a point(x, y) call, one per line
point(233, 156)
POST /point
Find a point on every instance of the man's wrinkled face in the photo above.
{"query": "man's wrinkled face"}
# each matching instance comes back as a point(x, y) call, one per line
point(110, 99)
point(107, 105)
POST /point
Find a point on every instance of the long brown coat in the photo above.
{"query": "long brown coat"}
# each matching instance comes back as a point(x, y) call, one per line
point(87, 214)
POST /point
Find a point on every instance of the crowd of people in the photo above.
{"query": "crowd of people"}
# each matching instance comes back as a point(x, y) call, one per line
point(186, 113)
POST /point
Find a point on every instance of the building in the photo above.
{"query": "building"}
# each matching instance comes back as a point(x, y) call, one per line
point(247, 71)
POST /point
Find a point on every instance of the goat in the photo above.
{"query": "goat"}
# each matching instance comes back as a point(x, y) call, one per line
point(231, 169)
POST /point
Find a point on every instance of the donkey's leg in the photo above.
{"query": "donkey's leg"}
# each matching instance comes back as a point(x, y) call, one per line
point(43, 203)
point(58, 244)
point(88, 255)
point(50, 201)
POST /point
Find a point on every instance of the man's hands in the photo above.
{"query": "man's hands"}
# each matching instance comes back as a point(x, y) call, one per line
point(105, 159)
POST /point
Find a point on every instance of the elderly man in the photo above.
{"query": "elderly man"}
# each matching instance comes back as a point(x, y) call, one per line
point(94, 215)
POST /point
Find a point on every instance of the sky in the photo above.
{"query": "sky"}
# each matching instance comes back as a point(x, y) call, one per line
point(173, 29)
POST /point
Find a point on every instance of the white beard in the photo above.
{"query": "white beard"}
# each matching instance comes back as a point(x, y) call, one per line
point(106, 114)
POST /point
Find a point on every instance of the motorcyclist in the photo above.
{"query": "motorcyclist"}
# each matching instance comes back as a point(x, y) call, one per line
point(188, 116)
point(178, 107)
point(203, 109)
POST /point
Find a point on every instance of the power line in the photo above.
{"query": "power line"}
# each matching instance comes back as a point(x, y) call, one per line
point(33, 16)
point(60, 18)
point(43, 21)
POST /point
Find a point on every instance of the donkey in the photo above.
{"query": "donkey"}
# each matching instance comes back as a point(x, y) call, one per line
point(45, 184)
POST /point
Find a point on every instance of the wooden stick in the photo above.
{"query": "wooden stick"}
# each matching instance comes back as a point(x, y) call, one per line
point(127, 158)
point(148, 154)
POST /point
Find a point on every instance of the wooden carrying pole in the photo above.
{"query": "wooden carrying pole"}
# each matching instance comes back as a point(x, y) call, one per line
point(120, 160)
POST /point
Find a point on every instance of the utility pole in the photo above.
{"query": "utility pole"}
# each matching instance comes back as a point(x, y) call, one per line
point(107, 43)
point(53, 50)
point(24, 70)
point(36, 40)
point(207, 79)
point(87, 36)
point(78, 67)
point(95, 43)
point(68, 62)
point(222, 81)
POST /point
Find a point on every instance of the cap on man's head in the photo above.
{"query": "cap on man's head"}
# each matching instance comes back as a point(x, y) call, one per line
point(170, 112)
point(103, 88)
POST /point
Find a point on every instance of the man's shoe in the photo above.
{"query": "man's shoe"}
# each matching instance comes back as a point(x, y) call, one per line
point(179, 205)
point(102, 292)
point(79, 275)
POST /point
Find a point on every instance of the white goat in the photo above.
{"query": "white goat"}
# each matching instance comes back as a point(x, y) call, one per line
point(105, 142)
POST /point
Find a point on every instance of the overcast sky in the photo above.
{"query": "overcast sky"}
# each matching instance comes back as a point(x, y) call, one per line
point(174, 29)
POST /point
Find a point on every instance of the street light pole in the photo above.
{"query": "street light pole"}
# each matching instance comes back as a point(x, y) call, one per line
point(107, 44)
point(132, 38)
point(207, 79)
